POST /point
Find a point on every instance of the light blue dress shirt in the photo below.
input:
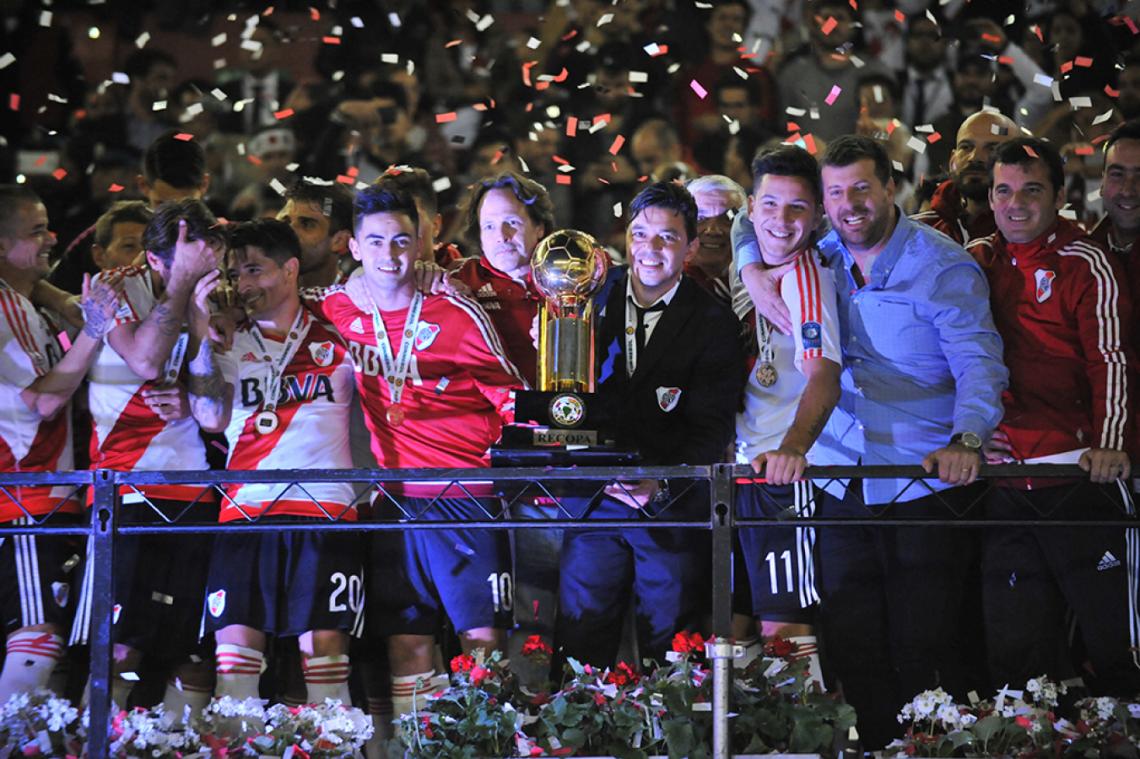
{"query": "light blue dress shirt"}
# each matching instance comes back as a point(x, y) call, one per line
point(921, 357)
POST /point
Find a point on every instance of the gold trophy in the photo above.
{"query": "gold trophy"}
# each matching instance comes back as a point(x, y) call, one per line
point(568, 267)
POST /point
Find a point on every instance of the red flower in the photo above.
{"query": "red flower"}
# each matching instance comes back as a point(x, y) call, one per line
point(462, 663)
point(780, 647)
point(599, 699)
point(536, 646)
point(623, 675)
point(426, 720)
point(479, 674)
point(686, 643)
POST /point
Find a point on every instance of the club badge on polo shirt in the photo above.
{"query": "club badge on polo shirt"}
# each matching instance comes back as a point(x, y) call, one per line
point(217, 603)
point(811, 334)
point(322, 352)
point(425, 335)
point(1044, 279)
point(668, 397)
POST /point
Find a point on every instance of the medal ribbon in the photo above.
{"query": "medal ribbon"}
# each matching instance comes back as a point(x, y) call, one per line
point(276, 369)
point(764, 341)
point(635, 330)
point(394, 369)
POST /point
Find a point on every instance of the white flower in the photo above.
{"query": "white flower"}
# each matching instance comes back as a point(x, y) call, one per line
point(1105, 707)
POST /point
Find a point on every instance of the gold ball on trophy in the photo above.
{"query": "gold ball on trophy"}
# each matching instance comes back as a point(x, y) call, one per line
point(568, 262)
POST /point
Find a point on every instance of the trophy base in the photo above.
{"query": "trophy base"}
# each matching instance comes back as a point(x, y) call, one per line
point(562, 431)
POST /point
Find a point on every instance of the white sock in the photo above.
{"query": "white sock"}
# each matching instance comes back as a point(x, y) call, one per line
point(327, 677)
point(239, 671)
point(180, 695)
point(808, 648)
point(29, 663)
point(405, 686)
point(752, 648)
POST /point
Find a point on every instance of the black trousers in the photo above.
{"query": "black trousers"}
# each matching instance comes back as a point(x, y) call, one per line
point(892, 604)
point(1033, 575)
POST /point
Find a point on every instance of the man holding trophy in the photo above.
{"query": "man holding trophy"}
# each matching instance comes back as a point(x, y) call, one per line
point(670, 374)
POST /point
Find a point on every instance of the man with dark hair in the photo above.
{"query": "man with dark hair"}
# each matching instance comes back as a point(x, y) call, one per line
point(281, 394)
point(1119, 229)
point(790, 393)
point(140, 423)
point(670, 375)
point(321, 216)
point(960, 206)
point(1059, 299)
point(926, 91)
point(436, 388)
point(1128, 82)
point(417, 182)
point(922, 382)
point(37, 379)
point(118, 234)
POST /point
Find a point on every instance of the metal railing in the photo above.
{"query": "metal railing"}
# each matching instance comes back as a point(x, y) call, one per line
point(514, 486)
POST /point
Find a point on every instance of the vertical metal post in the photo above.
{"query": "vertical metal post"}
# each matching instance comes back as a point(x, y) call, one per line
point(102, 552)
point(720, 650)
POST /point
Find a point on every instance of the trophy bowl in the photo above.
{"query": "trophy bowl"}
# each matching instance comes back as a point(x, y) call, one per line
point(568, 263)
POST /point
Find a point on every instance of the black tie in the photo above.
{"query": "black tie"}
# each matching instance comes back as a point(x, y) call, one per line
point(641, 312)
point(919, 103)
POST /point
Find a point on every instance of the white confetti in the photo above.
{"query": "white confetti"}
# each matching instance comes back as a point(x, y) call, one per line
point(925, 128)
point(1093, 196)
point(218, 40)
point(1103, 117)
point(45, 18)
point(533, 43)
point(485, 23)
point(357, 23)
point(1067, 213)
point(120, 78)
point(441, 184)
point(674, 67)
point(394, 20)
point(292, 166)
point(652, 48)
point(472, 16)
point(7, 60)
point(857, 62)
point(917, 145)
point(617, 210)
point(158, 105)
point(390, 58)
point(797, 112)
point(219, 94)
point(252, 46)
point(604, 19)
point(142, 39)
point(740, 72)
point(1080, 102)
point(279, 188)
point(1043, 79)
point(638, 77)
point(337, 31)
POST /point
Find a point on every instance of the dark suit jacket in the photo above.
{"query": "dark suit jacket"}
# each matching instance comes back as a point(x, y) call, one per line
point(694, 348)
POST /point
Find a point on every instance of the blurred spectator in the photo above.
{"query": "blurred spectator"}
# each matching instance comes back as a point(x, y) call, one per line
point(926, 90)
point(119, 233)
point(257, 86)
point(973, 84)
point(1128, 81)
point(718, 200)
point(270, 151)
point(130, 120)
point(740, 105)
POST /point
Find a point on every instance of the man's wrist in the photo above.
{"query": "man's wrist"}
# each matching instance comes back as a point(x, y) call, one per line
point(968, 440)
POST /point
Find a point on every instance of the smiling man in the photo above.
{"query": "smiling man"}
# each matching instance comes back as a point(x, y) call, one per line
point(1119, 230)
point(718, 199)
point(436, 387)
point(671, 371)
point(1058, 299)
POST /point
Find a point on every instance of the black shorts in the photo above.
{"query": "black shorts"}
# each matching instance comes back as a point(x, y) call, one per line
point(41, 571)
point(286, 583)
point(159, 583)
point(778, 558)
point(416, 576)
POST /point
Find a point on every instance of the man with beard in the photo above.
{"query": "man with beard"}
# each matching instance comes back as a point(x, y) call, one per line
point(960, 206)
point(321, 215)
point(718, 200)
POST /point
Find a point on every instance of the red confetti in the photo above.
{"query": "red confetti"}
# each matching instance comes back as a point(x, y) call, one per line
point(570, 35)
point(571, 126)
point(184, 136)
point(268, 11)
point(81, 114)
point(1066, 67)
point(1111, 92)
point(314, 14)
point(283, 114)
point(1005, 60)
point(562, 179)
point(618, 142)
point(661, 50)
point(992, 38)
point(1083, 62)
point(934, 137)
point(526, 67)
point(1031, 152)
point(1037, 31)
point(115, 187)
point(1084, 150)
point(59, 173)
point(1131, 25)
point(559, 160)
point(343, 179)
point(792, 127)
point(829, 25)
point(443, 118)
point(353, 171)
point(900, 17)
point(453, 43)
point(854, 5)
point(562, 75)
point(603, 118)
point(253, 159)
point(220, 446)
point(809, 142)
point(330, 40)
point(833, 95)
point(64, 340)
point(14, 101)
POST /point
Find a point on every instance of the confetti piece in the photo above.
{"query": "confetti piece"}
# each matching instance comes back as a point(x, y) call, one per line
point(220, 446)
point(344, 180)
point(314, 14)
point(900, 16)
point(443, 118)
point(533, 43)
point(1102, 117)
point(571, 126)
point(64, 341)
point(142, 39)
point(252, 46)
point(1093, 196)
point(562, 75)
point(393, 19)
point(218, 40)
point(916, 144)
point(283, 114)
point(390, 58)
point(604, 19)
point(562, 179)
point(115, 187)
point(1031, 152)
point(1080, 102)
point(638, 77)
point(14, 101)
point(7, 60)
point(618, 142)
point(617, 214)
point(833, 95)
point(279, 188)
point(1066, 67)
point(119, 77)
point(184, 136)
point(933, 138)
point(795, 112)
point(45, 18)
point(158, 105)
point(559, 160)
point(1131, 24)
point(485, 23)
point(441, 184)
point(357, 23)
point(702, 93)
point(809, 144)
point(1111, 92)
point(829, 25)
point(992, 38)
point(1043, 79)
point(526, 67)
point(1084, 150)
point(1083, 61)
point(253, 159)
point(59, 173)
point(331, 40)
point(1067, 213)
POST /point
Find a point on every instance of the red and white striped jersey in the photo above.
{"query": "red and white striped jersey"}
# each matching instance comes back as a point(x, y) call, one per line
point(313, 421)
point(29, 349)
point(458, 395)
point(127, 435)
point(1058, 303)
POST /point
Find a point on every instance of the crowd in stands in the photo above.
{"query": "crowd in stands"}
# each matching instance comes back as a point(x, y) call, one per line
point(840, 233)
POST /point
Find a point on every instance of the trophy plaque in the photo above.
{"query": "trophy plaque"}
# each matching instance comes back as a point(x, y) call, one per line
point(563, 416)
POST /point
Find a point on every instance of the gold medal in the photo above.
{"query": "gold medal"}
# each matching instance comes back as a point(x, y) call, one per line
point(265, 422)
point(766, 374)
point(395, 415)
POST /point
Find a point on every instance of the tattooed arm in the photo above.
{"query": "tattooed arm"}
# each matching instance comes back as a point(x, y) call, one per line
point(211, 396)
point(49, 394)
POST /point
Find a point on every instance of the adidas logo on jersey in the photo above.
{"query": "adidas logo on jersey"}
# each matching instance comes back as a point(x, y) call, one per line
point(486, 291)
point(1108, 561)
point(357, 326)
point(249, 356)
